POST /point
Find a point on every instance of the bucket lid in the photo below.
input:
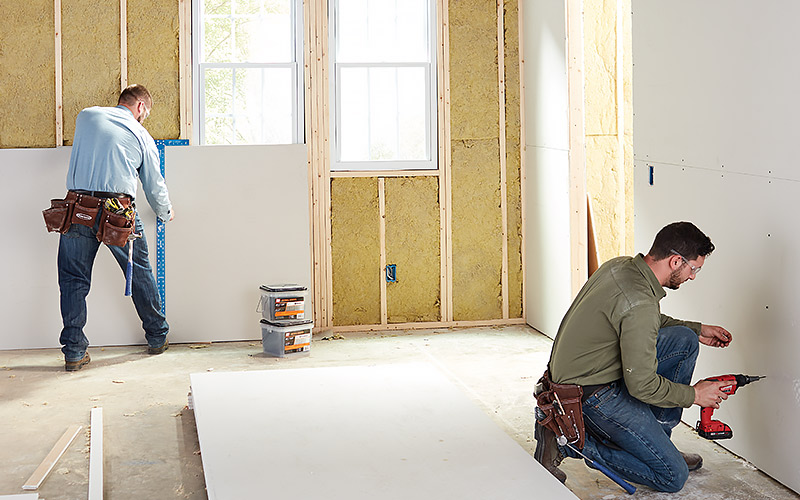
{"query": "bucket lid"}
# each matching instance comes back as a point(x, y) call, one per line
point(283, 287)
point(294, 322)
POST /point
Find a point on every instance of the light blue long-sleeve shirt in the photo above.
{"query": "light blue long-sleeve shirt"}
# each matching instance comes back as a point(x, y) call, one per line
point(110, 151)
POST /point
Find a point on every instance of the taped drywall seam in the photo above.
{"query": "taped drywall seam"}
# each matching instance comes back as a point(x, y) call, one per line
point(501, 86)
point(59, 77)
point(577, 146)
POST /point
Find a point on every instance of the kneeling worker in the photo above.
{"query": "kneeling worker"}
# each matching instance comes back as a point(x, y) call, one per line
point(635, 364)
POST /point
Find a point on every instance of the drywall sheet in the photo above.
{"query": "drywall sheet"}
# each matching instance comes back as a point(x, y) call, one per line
point(412, 244)
point(235, 228)
point(547, 245)
point(475, 161)
point(241, 220)
point(356, 433)
point(715, 120)
point(27, 77)
point(85, 50)
point(355, 251)
point(153, 61)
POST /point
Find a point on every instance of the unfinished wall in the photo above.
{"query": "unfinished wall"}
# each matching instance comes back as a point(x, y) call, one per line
point(355, 251)
point(153, 30)
point(609, 152)
point(27, 69)
point(412, 243)
point(91, 57)
point(90, 73)
point(474, 132)
point(413, 231)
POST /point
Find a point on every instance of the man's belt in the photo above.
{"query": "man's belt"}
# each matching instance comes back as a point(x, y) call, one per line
point(590, 390)
point(96, 198)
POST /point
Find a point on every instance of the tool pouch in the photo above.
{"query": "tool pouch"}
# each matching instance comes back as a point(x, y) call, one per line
point(114, 228)
point(58, 218)
point(85, 210)
point(561, 405)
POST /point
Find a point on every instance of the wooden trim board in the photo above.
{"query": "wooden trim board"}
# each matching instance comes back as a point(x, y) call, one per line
point(96, 455)
point(50, 460)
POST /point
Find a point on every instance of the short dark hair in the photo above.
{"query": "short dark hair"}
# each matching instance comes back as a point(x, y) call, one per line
point(681, 237)
point(134, 93)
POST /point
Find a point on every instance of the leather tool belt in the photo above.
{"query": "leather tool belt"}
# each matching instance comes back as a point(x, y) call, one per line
point(80, 207)
point(561, 406)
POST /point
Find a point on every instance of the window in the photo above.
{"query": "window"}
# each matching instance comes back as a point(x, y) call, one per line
point(384, 89)
point(248, 79)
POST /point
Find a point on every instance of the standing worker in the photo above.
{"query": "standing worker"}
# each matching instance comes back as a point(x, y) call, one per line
point(110, 151)
point(633, 364)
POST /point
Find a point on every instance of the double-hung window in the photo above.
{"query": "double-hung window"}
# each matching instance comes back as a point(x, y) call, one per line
point(384, 88)
point(248, 71)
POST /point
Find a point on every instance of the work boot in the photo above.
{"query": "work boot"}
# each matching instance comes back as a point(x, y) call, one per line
point(73, 366)
point(693, 460)
point(547, 452)
point(158, 350)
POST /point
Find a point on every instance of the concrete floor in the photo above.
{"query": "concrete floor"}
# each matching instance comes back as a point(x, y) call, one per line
point(150, 440)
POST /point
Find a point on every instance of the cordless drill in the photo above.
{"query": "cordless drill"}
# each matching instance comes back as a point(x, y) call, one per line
point(714, 429)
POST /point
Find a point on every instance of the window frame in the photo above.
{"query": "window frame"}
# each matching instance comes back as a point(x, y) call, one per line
point(431, 100)
point(296, 67)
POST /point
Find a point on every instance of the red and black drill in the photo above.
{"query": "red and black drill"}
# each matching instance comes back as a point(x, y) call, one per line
point(714, 429)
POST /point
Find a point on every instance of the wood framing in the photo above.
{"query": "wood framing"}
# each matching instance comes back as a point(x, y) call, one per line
point(96, 455)
point(443, 136)
point(123, 44)
point(385, 173)
point(382, 240)
point(185, 65)
point(577, 145)
point(426, 325)
point(50, 460)
point(501, 86)
point(619, 68)
point(59, 77)
point(522, 151)
point(317, 133)
point(326, 160)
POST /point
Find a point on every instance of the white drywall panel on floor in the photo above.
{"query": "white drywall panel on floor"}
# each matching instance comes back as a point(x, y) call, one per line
point(546, 184)
point(217, 253)
point(356, 433)
point(714, 116)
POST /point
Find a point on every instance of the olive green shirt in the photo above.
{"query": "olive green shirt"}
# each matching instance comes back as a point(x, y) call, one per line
point(610, 332)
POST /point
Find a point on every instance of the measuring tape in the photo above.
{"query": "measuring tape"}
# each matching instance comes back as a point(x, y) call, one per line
point(161, 232)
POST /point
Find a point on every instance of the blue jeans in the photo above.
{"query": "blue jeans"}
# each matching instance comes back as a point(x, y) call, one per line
point(643, 431)
point(76, 253)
